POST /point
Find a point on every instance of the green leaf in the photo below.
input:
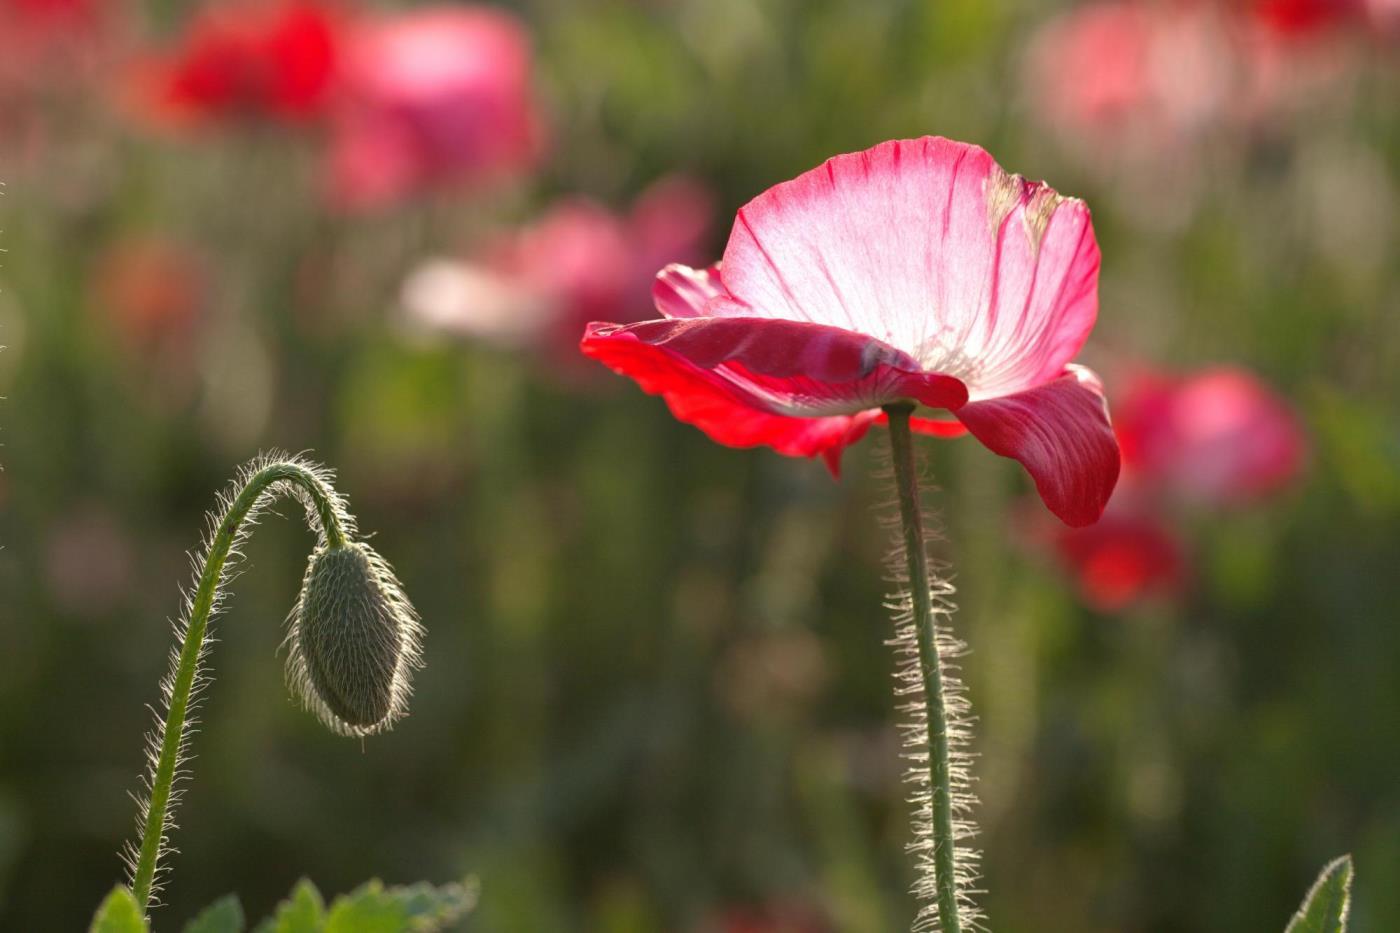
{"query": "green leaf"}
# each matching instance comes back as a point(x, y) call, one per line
point(1325, 908)
point(223, 916)
point(432, 908)
point(303, 912)
point(419, 908)
point(119, 913)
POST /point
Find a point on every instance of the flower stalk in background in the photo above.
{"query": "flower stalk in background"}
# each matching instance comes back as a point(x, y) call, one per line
point(914, 273)
point(353, 638)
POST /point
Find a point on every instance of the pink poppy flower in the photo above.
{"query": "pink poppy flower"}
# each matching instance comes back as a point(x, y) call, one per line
point(434, 96)
point(263, 61)
point(540, 285)
point(1128, 556)
point(1219, 436)
point(914, 271)
point(1133, 75)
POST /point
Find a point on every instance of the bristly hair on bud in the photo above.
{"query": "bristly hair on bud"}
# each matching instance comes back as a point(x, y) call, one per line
point(354, 638)
point(353, 641)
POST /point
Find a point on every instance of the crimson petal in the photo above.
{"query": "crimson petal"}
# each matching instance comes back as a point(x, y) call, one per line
point(1061, 434)
point(790, 367)
point(721, 408)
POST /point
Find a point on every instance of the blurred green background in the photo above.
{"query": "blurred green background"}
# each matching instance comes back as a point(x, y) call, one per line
point(657, 688)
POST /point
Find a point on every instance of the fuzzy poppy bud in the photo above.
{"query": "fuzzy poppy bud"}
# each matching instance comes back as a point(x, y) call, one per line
point(353, 640)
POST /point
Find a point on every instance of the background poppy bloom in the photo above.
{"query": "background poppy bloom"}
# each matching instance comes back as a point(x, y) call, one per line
point(538, 285)
point(1219, 435)
point(917, 270)
point(269, 62)
point(434, 96)
point(1130, 554)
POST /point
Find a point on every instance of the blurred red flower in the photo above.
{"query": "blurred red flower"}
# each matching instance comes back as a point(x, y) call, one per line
point(268, 61)
point(1305, 17)
point(150, 290)
point(580, 261)
point(917, 270)
point(435, 96)
point(1129, 555)
point(1219, 436)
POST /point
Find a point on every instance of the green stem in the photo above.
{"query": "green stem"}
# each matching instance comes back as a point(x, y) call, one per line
point(940, 778)
point(187, 665)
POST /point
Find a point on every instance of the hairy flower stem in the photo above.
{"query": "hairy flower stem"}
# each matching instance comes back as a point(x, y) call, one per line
point(939, 767)
point(186, 668)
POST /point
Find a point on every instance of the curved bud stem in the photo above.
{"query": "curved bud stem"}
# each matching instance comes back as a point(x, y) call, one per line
point(942, 782)
point(262, 478)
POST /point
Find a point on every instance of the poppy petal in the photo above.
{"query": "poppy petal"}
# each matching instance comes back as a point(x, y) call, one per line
point(724, 409)
point(1061, 434)
point(682, 292)
point(931, 247)
point(789, 367)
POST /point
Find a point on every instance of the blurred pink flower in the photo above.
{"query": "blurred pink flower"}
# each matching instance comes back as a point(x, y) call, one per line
point(1130, 555)
point(1219, 436)
point(434, 96)
point(1132, 73)
point(540, 285)
point(270, 61)
point(1134, 81)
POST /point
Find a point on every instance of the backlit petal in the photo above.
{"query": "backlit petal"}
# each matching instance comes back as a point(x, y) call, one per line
point(1061, 434)
point(930, 246)
point(789, 367)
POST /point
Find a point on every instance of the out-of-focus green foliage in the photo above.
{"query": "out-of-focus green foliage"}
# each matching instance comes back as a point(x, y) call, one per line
point(370, 908)
point(656, 683)
point(223, 916)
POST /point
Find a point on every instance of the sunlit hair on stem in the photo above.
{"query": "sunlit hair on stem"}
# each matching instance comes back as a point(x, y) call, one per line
point(937, 724)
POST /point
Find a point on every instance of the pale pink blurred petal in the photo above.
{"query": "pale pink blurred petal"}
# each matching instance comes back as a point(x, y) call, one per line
point(670, 221)
point(580, 261)
point(444, 296)
point(1131, 76)
point(1220, 436)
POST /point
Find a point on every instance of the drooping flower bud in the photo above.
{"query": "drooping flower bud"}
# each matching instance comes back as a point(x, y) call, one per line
point(353, 641)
